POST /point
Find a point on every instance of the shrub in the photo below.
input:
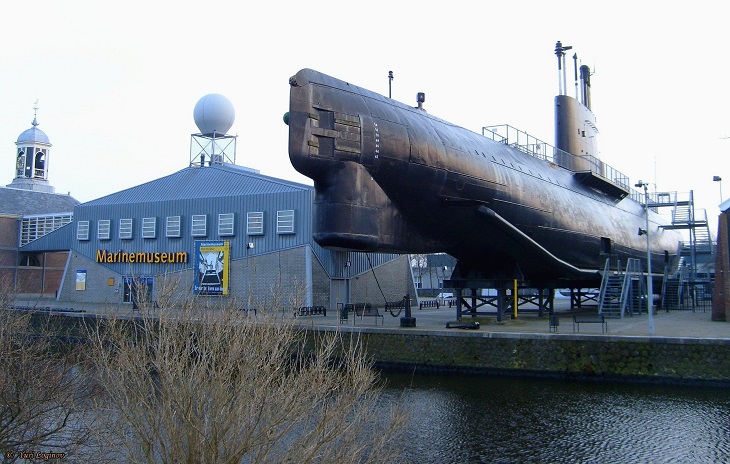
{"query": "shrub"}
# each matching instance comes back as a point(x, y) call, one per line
point(217, 386)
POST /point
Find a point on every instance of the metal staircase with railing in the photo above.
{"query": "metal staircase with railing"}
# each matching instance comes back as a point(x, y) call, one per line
point(687, 280)
point(621, 292)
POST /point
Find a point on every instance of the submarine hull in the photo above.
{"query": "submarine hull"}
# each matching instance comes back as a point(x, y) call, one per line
point(392, 178)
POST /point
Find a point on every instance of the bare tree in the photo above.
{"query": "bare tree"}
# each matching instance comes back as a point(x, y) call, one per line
point(43, 395)
point(214, 386)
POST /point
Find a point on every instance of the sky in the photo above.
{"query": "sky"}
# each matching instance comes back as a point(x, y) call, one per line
point(116, 83)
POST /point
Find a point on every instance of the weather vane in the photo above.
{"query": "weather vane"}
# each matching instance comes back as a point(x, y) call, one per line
point(35, 112)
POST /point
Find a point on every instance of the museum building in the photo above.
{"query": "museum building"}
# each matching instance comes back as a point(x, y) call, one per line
point(211, 230)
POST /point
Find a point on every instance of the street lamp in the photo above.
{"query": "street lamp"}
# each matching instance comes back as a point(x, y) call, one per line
point(249, 246)
point(649, 283)
point(718, 179)
point(347, 281)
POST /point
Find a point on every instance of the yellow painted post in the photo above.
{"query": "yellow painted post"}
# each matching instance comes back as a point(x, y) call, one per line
point(514, 297)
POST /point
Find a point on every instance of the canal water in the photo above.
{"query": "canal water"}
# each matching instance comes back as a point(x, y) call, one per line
point(465, 419)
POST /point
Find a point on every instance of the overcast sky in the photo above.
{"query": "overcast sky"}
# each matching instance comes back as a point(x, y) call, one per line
point(117, 82)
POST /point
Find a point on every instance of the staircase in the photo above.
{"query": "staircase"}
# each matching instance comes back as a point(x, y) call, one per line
point(621, 290)
point(687, 286)
point(685, 217)
point(671, 293)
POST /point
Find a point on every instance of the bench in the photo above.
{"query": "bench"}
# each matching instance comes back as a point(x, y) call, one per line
point(247, 311)
point(392, 306)
point(363, 310)
point(395, 305)
point(345, 309)
point(429, 304)
point(146, 304)
point(310, 311)
point(590, 319)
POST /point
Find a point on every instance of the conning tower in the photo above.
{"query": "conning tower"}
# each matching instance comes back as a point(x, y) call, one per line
point(575, 124)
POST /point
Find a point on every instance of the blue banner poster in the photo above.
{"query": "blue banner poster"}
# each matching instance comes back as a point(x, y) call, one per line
point(211, 276)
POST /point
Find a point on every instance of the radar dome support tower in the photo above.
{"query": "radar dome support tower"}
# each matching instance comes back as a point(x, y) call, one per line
point(214, 116)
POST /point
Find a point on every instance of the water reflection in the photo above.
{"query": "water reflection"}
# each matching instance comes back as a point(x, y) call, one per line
point(506, 420)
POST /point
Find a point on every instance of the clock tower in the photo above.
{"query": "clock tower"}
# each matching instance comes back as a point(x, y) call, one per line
point(31, 162)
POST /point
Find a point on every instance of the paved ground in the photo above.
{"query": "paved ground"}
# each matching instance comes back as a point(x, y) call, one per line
point(673, 324)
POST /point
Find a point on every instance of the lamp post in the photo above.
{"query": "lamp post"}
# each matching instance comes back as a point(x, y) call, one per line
point(249, 246)
point(718, 179)
point(347, 281)
point(649, 283)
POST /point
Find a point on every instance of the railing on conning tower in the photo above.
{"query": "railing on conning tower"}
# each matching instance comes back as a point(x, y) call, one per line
point(533, 146)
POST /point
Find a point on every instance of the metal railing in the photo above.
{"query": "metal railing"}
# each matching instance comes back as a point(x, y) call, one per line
point(535, 147)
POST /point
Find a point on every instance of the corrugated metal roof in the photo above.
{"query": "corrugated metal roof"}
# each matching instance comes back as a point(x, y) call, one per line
point(20, 202)
point(223, 180)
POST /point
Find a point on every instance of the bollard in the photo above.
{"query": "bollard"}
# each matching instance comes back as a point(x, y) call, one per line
point(407, 320)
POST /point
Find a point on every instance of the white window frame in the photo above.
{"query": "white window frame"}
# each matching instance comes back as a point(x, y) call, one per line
point(226, 223)
point(173, 227)
point(36, 226)
point(125, 229)
point(82, 230)
point(199, 225)
point(255, 223)
point(285, 222)
point(104, 229)
point(149, 227)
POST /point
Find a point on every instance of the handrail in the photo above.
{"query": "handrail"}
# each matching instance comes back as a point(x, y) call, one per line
point(633, 266)
point(504, 133)
point(604, 283)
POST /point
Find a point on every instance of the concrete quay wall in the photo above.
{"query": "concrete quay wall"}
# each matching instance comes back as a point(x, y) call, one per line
point(585, 357)
point(575, 356)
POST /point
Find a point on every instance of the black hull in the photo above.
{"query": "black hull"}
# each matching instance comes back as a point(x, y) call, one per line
point(392, 178)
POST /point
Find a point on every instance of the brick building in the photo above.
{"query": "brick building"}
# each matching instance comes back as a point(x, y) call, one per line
point(721, 296)
point(30, 208)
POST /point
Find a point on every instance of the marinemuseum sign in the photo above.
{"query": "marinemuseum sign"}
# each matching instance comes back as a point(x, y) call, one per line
point(104, 256)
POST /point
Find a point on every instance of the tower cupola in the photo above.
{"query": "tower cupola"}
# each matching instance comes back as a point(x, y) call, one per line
point(31, 161)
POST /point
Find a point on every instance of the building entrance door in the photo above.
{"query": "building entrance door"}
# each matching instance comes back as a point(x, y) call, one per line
point(137, 290)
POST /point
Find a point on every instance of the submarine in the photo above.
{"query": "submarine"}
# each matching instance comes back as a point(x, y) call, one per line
point(390, 177)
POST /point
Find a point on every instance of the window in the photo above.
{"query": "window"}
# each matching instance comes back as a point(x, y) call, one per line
point(125, 229)
point(225, 224)
point(36, 226)
point(199, 224)
point(149, 227)
point(103, 229)
point(285, 221)
point(173, 226)
point(255, 223)
point(82, 231)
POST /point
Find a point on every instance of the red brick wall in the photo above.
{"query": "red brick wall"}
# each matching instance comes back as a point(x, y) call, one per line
point(9, 232)
point(721, 296)
point(8, 252)
point(36, 279)
point(29, 279)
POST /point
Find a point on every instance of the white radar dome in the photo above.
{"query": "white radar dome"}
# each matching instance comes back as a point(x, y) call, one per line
point(214, 113)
